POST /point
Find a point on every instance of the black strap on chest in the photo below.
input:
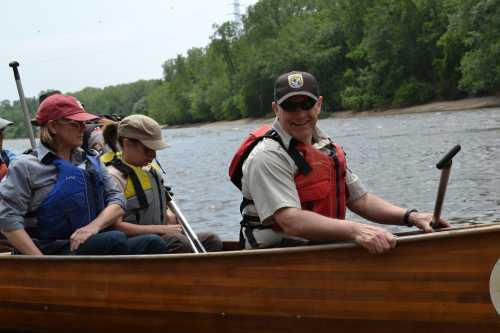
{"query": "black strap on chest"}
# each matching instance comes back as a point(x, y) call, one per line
point(129, 172)
point(159, 188)
point(300, 161)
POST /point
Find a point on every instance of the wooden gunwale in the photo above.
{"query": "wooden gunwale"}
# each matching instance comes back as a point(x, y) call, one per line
point(406, 237)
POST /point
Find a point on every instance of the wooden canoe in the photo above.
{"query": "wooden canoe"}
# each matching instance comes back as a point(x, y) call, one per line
point(448, 281)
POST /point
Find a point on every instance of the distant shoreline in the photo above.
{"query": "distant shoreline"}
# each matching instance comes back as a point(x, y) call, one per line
point(458, 105)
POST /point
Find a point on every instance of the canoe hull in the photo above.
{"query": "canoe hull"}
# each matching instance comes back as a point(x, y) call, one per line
point(427, 284)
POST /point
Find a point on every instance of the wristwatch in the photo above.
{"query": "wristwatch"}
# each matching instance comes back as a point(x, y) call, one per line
point(406, 217)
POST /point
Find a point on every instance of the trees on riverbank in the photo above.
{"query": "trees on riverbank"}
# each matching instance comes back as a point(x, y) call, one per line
point(365, 54)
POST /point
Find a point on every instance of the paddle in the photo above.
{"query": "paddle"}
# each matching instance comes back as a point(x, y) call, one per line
point(445, 166)
point(191, 236)
point(195, 243)
point(22, 99)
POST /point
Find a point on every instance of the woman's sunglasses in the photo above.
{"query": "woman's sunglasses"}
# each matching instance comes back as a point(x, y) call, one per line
point(291, 106)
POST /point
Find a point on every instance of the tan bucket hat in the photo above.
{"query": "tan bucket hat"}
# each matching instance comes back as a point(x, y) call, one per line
point(144, 129)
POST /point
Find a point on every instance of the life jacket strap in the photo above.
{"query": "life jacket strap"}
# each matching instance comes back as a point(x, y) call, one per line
point(129, 172)
point(296, 156)
point(247, 225)
point(160, 187)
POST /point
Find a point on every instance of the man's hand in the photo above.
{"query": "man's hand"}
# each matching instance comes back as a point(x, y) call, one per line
point(171, 218)
point(81, 235)
point(169, 229)
point(423, 221)
point(374, 239)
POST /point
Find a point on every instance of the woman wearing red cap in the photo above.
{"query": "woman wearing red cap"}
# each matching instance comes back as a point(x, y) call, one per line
point(59, 200)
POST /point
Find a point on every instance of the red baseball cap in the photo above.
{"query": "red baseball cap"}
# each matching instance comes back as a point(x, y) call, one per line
point(59, 106)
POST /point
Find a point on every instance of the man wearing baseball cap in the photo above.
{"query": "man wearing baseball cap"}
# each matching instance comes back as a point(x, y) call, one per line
point(59, 200)
point(296, 185)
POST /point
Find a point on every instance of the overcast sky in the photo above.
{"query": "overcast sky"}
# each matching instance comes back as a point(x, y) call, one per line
point(70, 45)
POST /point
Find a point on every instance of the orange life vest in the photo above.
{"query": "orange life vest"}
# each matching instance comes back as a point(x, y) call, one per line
point(323, 190)
point(3, 170)
point(320, 181)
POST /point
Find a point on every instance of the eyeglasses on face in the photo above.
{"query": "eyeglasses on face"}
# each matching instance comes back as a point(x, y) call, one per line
point(71, 122)
point(292, 106)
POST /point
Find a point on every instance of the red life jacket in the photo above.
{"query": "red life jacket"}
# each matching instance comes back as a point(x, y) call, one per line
point(323, 190)
point(320, 181)
point(3, 169)
point(4, 164)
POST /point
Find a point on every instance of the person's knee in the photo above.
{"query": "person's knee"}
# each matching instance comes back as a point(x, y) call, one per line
point(116, 242)
point(155, 245)
point(177, 244)
point(211, 242)
point(106, 243)
point(147, 244)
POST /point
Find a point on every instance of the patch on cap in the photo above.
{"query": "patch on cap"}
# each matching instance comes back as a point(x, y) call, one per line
point(296, 80)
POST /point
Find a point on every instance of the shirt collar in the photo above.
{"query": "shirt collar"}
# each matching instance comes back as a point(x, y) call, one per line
point(318, 135)
point(78, 155)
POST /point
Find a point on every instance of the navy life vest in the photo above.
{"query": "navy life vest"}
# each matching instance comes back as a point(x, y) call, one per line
point(75, 200)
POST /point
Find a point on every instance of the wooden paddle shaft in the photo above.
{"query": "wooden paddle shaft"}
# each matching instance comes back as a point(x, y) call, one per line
point(445, 166)
point(443, 183)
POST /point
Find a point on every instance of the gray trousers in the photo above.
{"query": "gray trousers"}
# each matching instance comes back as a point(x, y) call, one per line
point(179, 243)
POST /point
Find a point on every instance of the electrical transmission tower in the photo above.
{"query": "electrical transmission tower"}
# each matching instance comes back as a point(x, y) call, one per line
point(236, 11)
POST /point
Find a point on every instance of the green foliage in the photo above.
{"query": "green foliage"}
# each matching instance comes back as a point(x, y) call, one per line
point(14, 112)
point(413, 92)
point(481, 69)
point(357, 100)
point(364, 53)
point(119, 99)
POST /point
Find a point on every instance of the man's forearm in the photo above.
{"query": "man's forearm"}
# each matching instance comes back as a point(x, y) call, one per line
point(22, 242)
point(376, 209)
point(108, 217)
point(313, 226)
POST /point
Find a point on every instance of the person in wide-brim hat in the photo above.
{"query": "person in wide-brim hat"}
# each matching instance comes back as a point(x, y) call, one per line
point(137, 173)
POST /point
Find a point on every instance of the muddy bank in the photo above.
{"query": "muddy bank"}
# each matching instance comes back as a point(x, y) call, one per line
point(459, 105)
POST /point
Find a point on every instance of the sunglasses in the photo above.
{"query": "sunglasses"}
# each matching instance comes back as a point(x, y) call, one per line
point(291, 106)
